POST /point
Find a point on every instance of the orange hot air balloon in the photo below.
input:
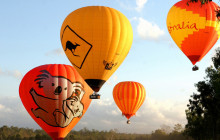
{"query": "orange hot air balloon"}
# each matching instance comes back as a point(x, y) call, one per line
point(129, 96)
point(194, 27)
point(96, 40)
point(56, 97)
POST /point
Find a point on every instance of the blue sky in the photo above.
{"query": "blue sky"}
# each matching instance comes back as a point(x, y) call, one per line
point(30, 36)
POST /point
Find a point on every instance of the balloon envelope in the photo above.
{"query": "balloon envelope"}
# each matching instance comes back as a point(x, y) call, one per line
point(56, 97)
point(129, 96)
point(194, 27)
point(96, 40)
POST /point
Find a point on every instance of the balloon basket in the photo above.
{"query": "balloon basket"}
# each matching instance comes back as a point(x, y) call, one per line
point(195, 68)
point(128, 121)
point(94, 96)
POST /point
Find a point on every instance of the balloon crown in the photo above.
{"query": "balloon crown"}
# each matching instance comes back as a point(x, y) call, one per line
point(202, 1)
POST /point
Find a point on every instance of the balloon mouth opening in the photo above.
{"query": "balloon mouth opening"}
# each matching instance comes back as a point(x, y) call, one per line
point(128, 116)
point(55, 136)
point(95, 84)
point(194, 58)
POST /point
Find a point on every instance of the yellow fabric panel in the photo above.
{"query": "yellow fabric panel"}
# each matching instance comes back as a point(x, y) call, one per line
point(175, 19)
point(109, 34)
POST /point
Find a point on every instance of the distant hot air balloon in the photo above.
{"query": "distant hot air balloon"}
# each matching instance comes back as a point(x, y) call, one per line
point(129, 96)
point(56, 97)
point(194, 27)
point(96, 40)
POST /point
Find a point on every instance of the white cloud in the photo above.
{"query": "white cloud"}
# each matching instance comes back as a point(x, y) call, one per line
point(126, 4)
point(103, 114)
point(15, 74)
point(140, 4)
point(12, 113)
point(112, 79)
point(58, 51)
point(149, 31)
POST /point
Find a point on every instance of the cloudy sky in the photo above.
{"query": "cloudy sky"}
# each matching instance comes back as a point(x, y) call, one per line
point(30, 36)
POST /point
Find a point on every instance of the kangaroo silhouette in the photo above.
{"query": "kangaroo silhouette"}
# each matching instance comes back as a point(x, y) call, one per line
point(71, 47)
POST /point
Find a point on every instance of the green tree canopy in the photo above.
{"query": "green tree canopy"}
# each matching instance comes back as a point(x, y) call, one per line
point(203, 113)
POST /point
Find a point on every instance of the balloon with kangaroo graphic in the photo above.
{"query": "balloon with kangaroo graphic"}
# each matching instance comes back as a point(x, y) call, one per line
point(56, 97)
point(96, 40)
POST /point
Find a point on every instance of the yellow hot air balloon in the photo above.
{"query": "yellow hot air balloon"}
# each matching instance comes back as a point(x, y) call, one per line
point(96, 40)
point(129, 96)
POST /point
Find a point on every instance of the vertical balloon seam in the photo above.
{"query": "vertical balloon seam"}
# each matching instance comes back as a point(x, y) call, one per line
point(122, 86)
point(107, 25)
point(122, 37)
point(59, 73)
point(124, 99)
point(129, 93)
point(129, 96)
point(105, 74)
point(126, 47)
point(119, 97)
point(75, 79)
point(135, 100)
point(114, 42)
point(93, 39)
point(66, 85)
point(97, 12)
point(132, 100)
point(102, 11)
point(213, 25)
point(115, 96)
point(134, 96)
point(55, 80)
point(143, 96)
point(140, 97)
point(111, 24)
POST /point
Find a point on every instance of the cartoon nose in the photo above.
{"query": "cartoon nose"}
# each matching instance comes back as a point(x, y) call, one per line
point(58, 90)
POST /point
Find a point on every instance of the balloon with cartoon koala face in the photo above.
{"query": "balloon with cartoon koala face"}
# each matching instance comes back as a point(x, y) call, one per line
point(56, 97)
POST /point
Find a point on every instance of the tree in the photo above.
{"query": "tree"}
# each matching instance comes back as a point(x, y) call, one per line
point(203, 109)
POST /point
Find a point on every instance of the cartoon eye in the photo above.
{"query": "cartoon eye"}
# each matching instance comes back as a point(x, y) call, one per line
point(53, 84)
point(77, 92)
point(65, 88)
point(72, 103)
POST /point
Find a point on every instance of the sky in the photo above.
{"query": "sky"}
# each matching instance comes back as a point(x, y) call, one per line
point(30, 37)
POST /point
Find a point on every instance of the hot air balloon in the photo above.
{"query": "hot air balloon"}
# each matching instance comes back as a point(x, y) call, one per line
point(194, 27)
point(56, 97)
point(96, 40)
point(129, 96)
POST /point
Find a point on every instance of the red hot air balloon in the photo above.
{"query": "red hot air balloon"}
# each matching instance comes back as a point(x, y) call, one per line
point(56, 97)
point(194, 27)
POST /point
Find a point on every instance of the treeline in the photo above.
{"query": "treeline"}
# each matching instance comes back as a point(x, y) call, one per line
point(15, 133)
point(203, 113)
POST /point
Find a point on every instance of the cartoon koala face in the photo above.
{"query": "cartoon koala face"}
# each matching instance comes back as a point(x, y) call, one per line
point(57, 87)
